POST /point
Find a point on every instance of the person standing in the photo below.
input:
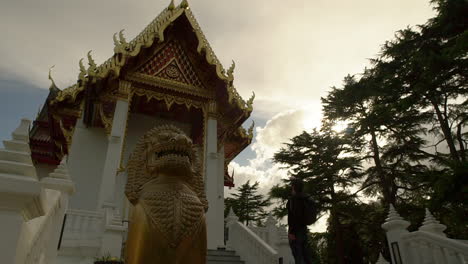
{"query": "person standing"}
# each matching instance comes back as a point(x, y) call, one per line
point(297, 226)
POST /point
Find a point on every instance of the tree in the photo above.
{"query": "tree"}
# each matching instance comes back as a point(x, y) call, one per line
point(322, 159)
point(430, 66)
point(247, 204)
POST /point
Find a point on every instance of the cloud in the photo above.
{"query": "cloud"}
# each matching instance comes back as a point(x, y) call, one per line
point(289, 53)
point(268, 140)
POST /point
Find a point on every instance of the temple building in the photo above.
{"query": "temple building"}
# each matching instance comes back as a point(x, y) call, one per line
point(168, 74)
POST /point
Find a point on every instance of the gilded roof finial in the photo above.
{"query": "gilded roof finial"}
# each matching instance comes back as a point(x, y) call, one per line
point(171, 5)
point(92, 64)
point(251, 129)
point(250, 101)
point(50, 77)
point(121, 37)
point(116, 42)
point(82, 74)
point(231, 70)
point(184, 4)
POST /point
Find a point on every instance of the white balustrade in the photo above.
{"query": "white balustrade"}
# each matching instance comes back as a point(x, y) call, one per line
point(427, 245)
point(276, 237)
point(83, 228)
point(250, 247)
point(43, 231)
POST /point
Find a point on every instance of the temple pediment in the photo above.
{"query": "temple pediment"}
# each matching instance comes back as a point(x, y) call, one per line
point(171, 63)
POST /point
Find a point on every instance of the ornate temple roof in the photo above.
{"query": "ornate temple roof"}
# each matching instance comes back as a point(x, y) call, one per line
point(124, 50)
point(53, 128)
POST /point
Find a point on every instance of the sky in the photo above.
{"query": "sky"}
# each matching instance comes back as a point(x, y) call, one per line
point(288, 52)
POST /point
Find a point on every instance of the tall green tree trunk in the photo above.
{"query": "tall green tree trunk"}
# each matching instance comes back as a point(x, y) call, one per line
point(385, 182)
point(446, 131)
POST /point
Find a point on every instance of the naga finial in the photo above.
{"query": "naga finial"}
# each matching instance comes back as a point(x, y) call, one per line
point(171, 5)
point(250, 102)
point(230, 71)
point(116, 42)
point(121, 37)
point(184, 4)
point(82, 70)
point(251, 129)
point(92, 64)
point(51, 79)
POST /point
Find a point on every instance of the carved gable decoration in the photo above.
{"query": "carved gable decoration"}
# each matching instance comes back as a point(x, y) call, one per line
point(171, 63)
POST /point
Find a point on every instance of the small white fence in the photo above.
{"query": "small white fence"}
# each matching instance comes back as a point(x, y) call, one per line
point(262, 245)
point(83, 229)
point(426, 246)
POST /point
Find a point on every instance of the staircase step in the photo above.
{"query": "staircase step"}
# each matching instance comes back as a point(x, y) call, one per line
point(221, 252)
point(216, 258)
point(222, 256)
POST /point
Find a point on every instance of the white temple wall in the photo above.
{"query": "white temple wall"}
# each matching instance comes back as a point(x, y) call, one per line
point(85, 164)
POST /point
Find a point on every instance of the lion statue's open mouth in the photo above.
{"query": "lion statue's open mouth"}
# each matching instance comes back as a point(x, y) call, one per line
point(170, 149)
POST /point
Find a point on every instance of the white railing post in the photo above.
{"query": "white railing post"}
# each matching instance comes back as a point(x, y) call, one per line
point(433, 226)
point(427, 245)
point(251, 248)
point(396, 227)
point(381, 260)
point(231, 219)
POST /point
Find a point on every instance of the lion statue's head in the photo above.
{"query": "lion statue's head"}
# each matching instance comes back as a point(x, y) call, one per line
point(163, 149)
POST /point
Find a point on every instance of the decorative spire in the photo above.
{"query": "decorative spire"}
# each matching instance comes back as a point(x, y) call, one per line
point(61, 172)
point(59, 179)
point(171, 5)
point(381, 260)
point(432, 225)
point(232, 217)
point(270, 221)
point(394, 221)
point(393, 214)
point(184, 4)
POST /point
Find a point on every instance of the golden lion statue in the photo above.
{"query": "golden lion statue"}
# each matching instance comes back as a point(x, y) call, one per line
point(165, 186)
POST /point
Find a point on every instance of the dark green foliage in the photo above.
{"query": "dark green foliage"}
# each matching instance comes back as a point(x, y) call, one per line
point(406, 142)
point(323, 160)
point(247, 204)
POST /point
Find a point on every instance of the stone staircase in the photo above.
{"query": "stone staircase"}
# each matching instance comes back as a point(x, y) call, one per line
point(222, 256)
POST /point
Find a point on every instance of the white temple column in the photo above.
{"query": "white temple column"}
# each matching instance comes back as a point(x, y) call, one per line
point(113, 227)
point(114, 149)
point(214, 216)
